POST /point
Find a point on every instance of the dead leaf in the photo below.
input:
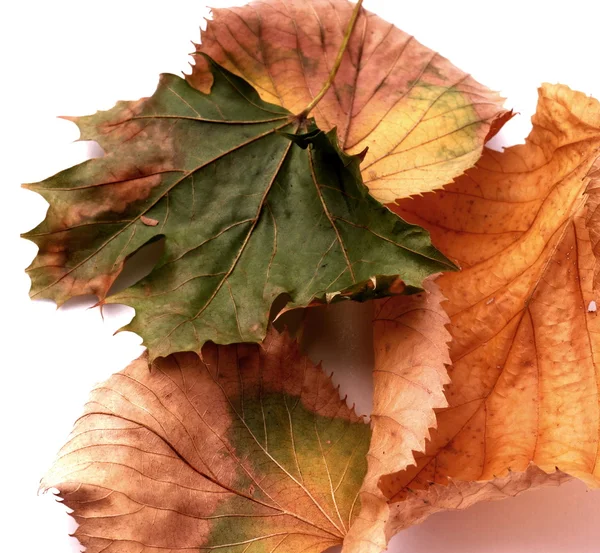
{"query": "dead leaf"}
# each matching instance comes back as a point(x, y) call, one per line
point(411, 353)
point(525, 350)
point(423, 121)
point(250, 450)
point(458, 495)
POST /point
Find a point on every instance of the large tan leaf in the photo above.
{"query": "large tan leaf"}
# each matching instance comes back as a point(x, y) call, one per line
point(423, 120)
point(250, 450)
point(525, 350)
point(411, 353)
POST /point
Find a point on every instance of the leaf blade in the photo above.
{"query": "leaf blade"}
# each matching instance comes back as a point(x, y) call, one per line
point(410, 341)
point(237, 449)
point(525, 351)
point(248, 212)
point(423, 121)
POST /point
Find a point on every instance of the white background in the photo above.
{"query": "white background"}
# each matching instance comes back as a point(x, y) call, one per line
point(76, 57)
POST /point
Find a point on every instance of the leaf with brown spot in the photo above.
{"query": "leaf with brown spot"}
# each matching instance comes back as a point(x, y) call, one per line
point(250, 449)
point(525, 351)
point(423, 120)
point(411, 353)
point(251, 203)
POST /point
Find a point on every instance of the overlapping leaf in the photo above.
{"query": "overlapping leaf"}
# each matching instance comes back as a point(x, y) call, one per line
point(423, 120)
point(249, 211)
point(458, 495)
point(526, 349)
point(411, 353)
point(250, 450)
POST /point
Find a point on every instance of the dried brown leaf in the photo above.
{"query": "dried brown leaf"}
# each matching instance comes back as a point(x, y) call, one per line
point(411, 353)
point(458, 495)
point(423, 121)
point(249, 449)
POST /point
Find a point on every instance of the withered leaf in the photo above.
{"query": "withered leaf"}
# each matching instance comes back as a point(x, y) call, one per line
point(250, 449)
point(249, 210)
point(423, 120)
point(525, 349)
point(457, 495)
point(411, 353)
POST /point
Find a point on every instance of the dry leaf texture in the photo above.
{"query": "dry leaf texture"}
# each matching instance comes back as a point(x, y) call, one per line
point(526, 351)
point(411, 354)
point(592, 216)
point(249, 450)
point(457, 495)
point(423, 120)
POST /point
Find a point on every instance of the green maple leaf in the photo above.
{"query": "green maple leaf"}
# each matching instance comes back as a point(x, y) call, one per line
point(252, 203)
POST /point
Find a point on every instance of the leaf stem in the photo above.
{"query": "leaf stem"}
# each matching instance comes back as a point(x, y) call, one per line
point(338, 61)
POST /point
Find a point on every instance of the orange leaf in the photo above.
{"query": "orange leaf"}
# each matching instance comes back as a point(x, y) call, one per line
point(423, 121)
point(525, 350)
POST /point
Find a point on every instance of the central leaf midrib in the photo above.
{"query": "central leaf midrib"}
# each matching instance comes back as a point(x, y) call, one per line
point(328, 215)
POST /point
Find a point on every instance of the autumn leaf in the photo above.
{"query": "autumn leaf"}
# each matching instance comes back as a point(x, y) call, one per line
point(458, 495)
point(423, 121)
point(248, 208)
point(525, 349)
point(411, 353)
point(250, 449)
